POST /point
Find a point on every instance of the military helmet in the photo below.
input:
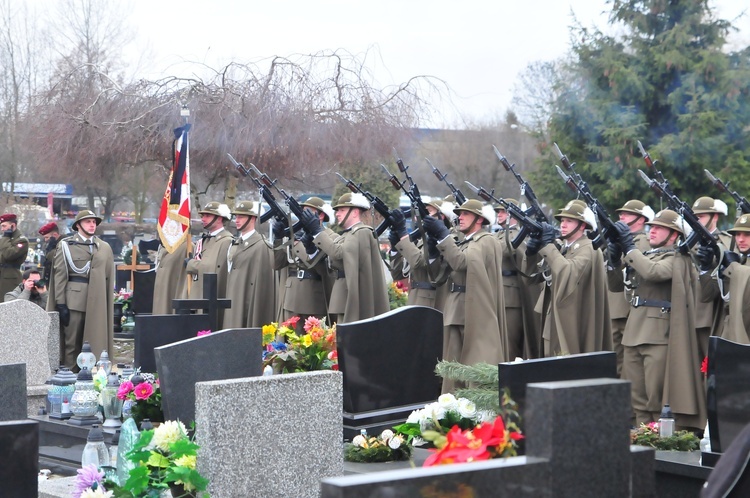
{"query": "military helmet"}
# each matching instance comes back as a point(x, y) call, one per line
point(578, 210)
point(637, 207)
point(354, 199)
point(320, 205)
point(216, 208)
point(450, 198)
point(709, 205)
point(246, 208)
point(669, 219)
point(741, 225)
point(500, 207)
point(83, 215)
point(475, 206)
point(436, 203)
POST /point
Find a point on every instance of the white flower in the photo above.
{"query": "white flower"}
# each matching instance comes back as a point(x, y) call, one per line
point(395, 442)
point(485, 416)
point(447, 401)
point(168, 432)
point(386, 434)
point(359, 441)
point(415, 417)
point(418, 441)
point(89, 493)
point(467, 408)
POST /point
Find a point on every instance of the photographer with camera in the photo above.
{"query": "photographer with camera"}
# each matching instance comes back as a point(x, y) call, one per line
point(32, 288)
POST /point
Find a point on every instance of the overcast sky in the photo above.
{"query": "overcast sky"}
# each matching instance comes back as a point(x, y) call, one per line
point(477, 47)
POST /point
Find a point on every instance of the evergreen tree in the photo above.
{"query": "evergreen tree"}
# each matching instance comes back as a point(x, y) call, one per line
point(663, 80)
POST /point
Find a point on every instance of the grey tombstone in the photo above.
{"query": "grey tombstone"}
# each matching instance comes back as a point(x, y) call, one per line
point(388, 364)
point(272, 435)
point(225, 354)
point(13, 392)
point(152, 331)
point(19, 447)
point(728, 393)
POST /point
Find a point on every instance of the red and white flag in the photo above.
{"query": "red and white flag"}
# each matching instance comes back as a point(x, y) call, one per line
point(174, 216)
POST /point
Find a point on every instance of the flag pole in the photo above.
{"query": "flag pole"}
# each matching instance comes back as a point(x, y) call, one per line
point(185, 114)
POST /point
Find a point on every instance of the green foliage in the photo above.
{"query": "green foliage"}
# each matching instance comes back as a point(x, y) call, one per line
point(373, 454)
point(665, 81)
point(679, 441)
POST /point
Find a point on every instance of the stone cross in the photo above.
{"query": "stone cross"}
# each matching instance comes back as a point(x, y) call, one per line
point(133, 267)
point(212, 302)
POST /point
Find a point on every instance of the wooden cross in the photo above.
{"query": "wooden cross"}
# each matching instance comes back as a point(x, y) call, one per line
point(133, 267)
point(212, 303)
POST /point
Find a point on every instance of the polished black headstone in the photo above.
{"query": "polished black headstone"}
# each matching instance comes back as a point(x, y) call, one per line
point(13, 392)
point(143, 297)
point(19, 447)
point(225, 354)
point(516, 376)
point(728, 393)
point(388, 364)
point(211, 301)
point(152, 331)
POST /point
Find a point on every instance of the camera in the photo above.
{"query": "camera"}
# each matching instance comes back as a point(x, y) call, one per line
point(41, 283)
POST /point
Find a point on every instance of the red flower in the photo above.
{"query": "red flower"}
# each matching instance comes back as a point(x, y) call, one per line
point(335, 366)
point(143, 390)
point(704, 366)
point(460, 447)
point(291, 323)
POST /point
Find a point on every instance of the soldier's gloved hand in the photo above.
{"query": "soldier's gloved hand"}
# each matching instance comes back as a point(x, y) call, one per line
point(705, 257)
point(278, 228)
point(8, 233)
point(393, 238)
point(729, 258)
point(398, 222)
point(432, 248)
point(311, 223)
point(548, 234)
point(533, 244)
point(307, 241)
point(64, 314)
point(614, 254)
point(625, 236)
point(435, 228)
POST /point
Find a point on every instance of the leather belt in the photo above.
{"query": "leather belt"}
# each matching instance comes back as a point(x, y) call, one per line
point(509, 273)
point(453, 287)
point(303, 275)
point(340, 274)
point(665, 306)
point(76, 278)
point(422, 285)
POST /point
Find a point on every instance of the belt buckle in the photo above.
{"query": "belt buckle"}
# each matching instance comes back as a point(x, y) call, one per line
point(453, 287)
point(300, 274)
point(636, 301)
point(665, 310)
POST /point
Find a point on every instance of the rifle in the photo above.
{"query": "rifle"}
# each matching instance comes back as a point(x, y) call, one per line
point(264, 184)
point(529, 226)
point(535, 209)
point(460, 198)
point(576, 183)
point(661, 187)
point(414, 235)
point(291, 202)
point(378, 204)
point(743, 206)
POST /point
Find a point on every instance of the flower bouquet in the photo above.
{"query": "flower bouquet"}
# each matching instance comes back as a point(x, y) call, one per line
point(648, 435)
point(387, 447)
point(144, 393)
point(488, 440)
point(124, 297)
point(288, 352)
point(397, 296)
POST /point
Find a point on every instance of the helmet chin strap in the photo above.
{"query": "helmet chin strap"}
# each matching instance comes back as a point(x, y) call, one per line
point(664, 242)
point(346, 217)
point(242, 228)
point(210, 226)
point(565, 237)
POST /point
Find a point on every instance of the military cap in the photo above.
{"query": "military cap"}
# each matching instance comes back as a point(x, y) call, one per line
point(49, 227)
point(500, 207)
point(741, 225)
point(8, 217)
point(578, 210)
point(85, 214)
point(450, 198)
point(320, 205)
point(355, 200)
point(669, 219)
point(246, 208)
point(475, 206)
point(706, 204)
point(637, 207)
point(217, 209)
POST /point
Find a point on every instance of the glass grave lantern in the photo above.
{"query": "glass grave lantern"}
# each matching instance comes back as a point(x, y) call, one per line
point(61, 389)
point(86, 358)
point(85, 401)
point(112, 404)
point(104, 363)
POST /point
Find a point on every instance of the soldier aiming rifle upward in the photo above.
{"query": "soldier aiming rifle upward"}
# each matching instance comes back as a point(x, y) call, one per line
point(526, 190)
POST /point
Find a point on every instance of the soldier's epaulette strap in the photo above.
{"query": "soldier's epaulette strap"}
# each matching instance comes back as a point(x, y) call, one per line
point(658, 251)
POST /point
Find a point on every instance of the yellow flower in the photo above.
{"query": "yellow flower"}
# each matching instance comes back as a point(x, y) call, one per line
point(307, 341)
point(269, 333)
point(186, 461)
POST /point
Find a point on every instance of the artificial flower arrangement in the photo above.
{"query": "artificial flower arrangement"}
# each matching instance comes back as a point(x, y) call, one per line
point(386, 447)
point(460, 432)
point(165, 459)
point(397, 295)
point(648, 435)
point(144, 393)
point(124, 297)
point(288, 352)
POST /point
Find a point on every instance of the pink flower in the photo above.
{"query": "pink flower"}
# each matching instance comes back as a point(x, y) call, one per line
point(203, 332)
point(143, 390)
point(292, 322)
point(86, 477)
point(311, 322)
point(124, 389)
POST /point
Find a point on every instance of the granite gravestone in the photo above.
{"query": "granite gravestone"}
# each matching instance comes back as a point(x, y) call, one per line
point(19, 447)
point(143, 298)
point(274, 435)
point(563, 460)
point(152, 331)
point(13, 392)
point(728, 393)
point(517, 375)
point(388, 364)
point(226, 354)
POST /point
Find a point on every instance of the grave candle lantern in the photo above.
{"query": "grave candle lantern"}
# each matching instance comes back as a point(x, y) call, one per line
point(59, 393)
point(104, 362)
point(86, 358)
point(112, 404)
point(85, 401)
